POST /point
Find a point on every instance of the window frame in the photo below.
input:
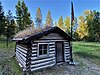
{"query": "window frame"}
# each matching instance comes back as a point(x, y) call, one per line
point(43, 55)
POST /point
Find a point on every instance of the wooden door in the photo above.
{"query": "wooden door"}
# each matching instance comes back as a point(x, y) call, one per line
point(59, 52)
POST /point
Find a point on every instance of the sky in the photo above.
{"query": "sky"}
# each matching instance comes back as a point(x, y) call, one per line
point(57, 7)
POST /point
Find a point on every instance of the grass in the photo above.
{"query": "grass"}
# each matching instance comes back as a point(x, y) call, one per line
point(87, 50)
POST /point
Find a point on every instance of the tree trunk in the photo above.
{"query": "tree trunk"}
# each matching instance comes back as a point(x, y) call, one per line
point(7, 42)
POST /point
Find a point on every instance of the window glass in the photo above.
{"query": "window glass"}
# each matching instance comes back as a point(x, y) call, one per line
point(43, 49)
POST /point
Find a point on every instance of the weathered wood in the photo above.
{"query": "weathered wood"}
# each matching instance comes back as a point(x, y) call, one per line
point(20, 60)
point(52, 49)
point(21, 56)
point(21, 49)
point(43, 60)
point(34, 51)
point(49, 65)
point(34, 48)
point(42, 64)
point(37, 58)
point(52, 52)
point(34, 55)
point(52, 36)
point(47, 41)
point(21, 52)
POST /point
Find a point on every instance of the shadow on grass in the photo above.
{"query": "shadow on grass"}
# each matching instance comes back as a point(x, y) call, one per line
point(87, 55)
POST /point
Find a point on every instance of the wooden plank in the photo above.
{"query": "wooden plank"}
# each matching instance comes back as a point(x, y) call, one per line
point(52, 46)
point(20, 60)
point(21, 49)
point(43, 60)
point(21, 52)
point(34, 48)
point(67, 47)
point(33, 69)
point(67, 55)
point(34, 51)
point(34, 45)
point(41, 64)
point(37, 58)
point(67, 52)
point(22, 57)
point(66, 42)
point(34, 55)
point(67, 60)
point(52, 49)
point(52, 43)
point(48, 40)
point(52, 52)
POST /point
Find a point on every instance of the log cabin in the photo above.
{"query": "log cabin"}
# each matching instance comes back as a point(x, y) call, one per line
point(41, 48)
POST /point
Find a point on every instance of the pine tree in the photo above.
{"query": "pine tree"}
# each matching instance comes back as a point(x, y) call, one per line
point(19, 16)
point(26, 19)
point(49, 21)
point(60, 23)
point(2, 20)
point(38, 18)
point(22, 15)
point(10, 28)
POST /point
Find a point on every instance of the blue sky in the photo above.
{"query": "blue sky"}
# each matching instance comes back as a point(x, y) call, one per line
point(57, 7)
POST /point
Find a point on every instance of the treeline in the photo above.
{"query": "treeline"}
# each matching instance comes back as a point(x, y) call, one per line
point(86, 27)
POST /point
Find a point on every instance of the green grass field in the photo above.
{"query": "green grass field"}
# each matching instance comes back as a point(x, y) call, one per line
point(85, 53)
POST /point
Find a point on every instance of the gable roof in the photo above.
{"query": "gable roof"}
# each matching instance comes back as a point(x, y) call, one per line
point(42, 32)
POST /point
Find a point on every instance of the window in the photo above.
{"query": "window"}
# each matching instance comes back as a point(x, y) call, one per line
point(43, 49)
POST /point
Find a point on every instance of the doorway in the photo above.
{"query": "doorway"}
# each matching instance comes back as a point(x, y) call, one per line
point(59, 52)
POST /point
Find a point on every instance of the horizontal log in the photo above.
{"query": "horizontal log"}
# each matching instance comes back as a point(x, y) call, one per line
point(42, 64)
point(34, 45)
point(20, 64)
point(52, 46)
point(49, 65)
point(34, 51)
point(51, 43)
point(66, 42)
point(34, 55)
point(52, 52)
point(49, 40)
point(67, 52)
point(37, 58)
point(21, 52)
point(67, 55)
point(21, 49)
point(67, 47)
point(67, 60)
point(52, 49)
point(20, 60)
point(34, 48)
point(43, 60)
point(22, 57)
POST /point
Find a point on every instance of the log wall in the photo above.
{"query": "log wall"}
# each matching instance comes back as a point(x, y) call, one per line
point(67, 51)
point(45, 61)
point(21, 55)
point(29, 59)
